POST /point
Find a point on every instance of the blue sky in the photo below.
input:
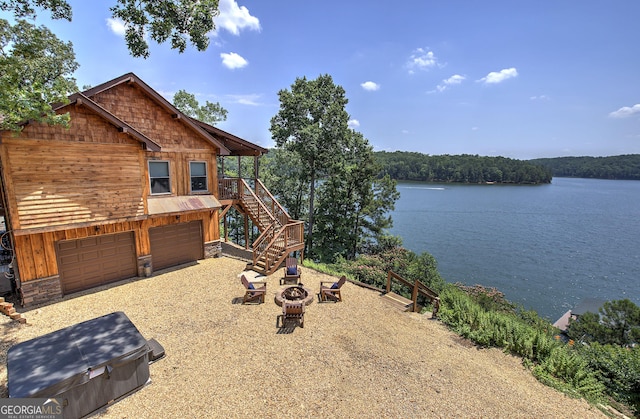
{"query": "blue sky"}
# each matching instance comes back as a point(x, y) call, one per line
point(522, 79)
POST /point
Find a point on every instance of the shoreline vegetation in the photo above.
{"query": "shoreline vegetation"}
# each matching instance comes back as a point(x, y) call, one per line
point(466, 168)
point(623, 167)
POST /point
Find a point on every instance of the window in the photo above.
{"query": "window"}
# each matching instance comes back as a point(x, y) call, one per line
point(198, 171)
point(159, 177)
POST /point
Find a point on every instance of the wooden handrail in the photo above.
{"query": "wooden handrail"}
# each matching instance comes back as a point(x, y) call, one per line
point(416, 288)
point(276, 209)
point(276, 241)
point(278, 232)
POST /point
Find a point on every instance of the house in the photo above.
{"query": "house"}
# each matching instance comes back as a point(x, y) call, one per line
point(131, 187)
point(588, 305)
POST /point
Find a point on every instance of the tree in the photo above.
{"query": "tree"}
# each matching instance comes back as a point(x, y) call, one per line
point(35, 71)
point(59, 9)
point(282, 173)
point(163, 20)
point(312, 122)
point(621, 319)
point(177, 21)
point(617, 323)
point(353, 205)
point(48, 63)
point(211, 113)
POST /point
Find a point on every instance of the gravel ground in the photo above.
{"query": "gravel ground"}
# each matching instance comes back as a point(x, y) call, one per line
point(357, 358)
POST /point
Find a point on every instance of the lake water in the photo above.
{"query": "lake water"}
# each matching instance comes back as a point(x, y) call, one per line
point(546, 247)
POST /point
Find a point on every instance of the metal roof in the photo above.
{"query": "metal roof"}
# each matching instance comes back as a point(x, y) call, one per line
point(180, 204)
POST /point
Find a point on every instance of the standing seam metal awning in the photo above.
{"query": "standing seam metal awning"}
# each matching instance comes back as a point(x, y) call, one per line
point(177, 204)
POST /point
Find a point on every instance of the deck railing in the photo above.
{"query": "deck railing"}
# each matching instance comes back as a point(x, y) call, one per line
point(276, 241)
point(279, 234)
point(418, 288)
point(271, 203)
point(238, 189)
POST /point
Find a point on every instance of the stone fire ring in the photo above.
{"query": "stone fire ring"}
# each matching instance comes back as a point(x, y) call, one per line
point(281, 295)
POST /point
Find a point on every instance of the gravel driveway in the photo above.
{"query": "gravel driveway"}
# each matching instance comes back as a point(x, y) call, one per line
point(357, 358)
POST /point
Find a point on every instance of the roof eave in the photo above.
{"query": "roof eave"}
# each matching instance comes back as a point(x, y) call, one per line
point(164, 103)
point(80, 99)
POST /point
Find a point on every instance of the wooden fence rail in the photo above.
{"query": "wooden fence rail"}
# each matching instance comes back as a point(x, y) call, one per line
point(417, 288)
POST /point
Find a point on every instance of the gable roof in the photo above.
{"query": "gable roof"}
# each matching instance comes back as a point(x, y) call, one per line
point(80, 99)
point(165, 104)
point(236, 145)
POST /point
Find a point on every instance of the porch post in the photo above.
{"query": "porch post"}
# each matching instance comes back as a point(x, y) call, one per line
point(255, 167)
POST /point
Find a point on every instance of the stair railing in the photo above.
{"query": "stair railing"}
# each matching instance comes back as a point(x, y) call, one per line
point(417, 288)
point(271, 203)
point(246, 195)
point(279, 232)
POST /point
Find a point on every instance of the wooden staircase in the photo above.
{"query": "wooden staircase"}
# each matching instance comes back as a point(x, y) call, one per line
point(418, 288)
point(398, 301)
point(279, 234)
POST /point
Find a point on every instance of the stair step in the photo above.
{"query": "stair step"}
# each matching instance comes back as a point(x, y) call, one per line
point(398, 301)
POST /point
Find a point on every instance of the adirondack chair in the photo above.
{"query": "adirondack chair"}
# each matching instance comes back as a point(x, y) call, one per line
point(254, 291)
point(331, 290)
point(292, 271)
point(293, 310)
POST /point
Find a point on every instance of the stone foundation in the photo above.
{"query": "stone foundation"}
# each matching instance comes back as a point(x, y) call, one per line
point(212, 249)
point(142, 261)
point(41, 290)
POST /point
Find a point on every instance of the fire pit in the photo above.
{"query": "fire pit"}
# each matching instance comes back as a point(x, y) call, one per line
point(296, 293)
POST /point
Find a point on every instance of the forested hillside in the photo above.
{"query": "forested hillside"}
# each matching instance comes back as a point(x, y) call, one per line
point(403, 165)
point(613, 167)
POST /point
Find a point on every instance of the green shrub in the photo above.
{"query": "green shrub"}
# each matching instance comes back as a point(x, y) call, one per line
point(567, 371)
point(618, 368)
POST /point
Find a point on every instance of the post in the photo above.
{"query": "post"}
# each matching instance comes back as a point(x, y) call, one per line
point(246, 233)
point(388, 282)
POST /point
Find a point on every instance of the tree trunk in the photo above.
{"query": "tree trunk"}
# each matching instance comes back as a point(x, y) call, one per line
point(312, 194)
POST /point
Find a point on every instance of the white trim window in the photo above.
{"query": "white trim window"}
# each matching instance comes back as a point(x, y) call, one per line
point(198, 175)
point(159, 177)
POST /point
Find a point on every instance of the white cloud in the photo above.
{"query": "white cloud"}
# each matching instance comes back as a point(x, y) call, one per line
point(421, 59)
point(405, 131)
point(116, 26)
point(370, 86)
point(250, 100)
point(626, 111)
point(474, 128)
point(353, 123)
point(235, 18)
point(446, 83)
point(541, 97)
point(232, 60)
point(499, 76)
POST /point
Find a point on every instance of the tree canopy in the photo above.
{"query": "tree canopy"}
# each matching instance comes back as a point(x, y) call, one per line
point(625, 167)
point(312, 122)
point(465, 168)
point(176, 21)
point(327, 172)
point(210, 113)
point(617, 323)
point(35, 71)
point(36, 67)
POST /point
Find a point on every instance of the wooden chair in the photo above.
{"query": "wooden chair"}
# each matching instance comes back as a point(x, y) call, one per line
point(292, 271)
point(254, 291)
point(332, 291)
point(293, 311)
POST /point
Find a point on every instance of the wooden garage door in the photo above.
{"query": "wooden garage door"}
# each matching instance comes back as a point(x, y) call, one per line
point(93, 261)
point(175, 244)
